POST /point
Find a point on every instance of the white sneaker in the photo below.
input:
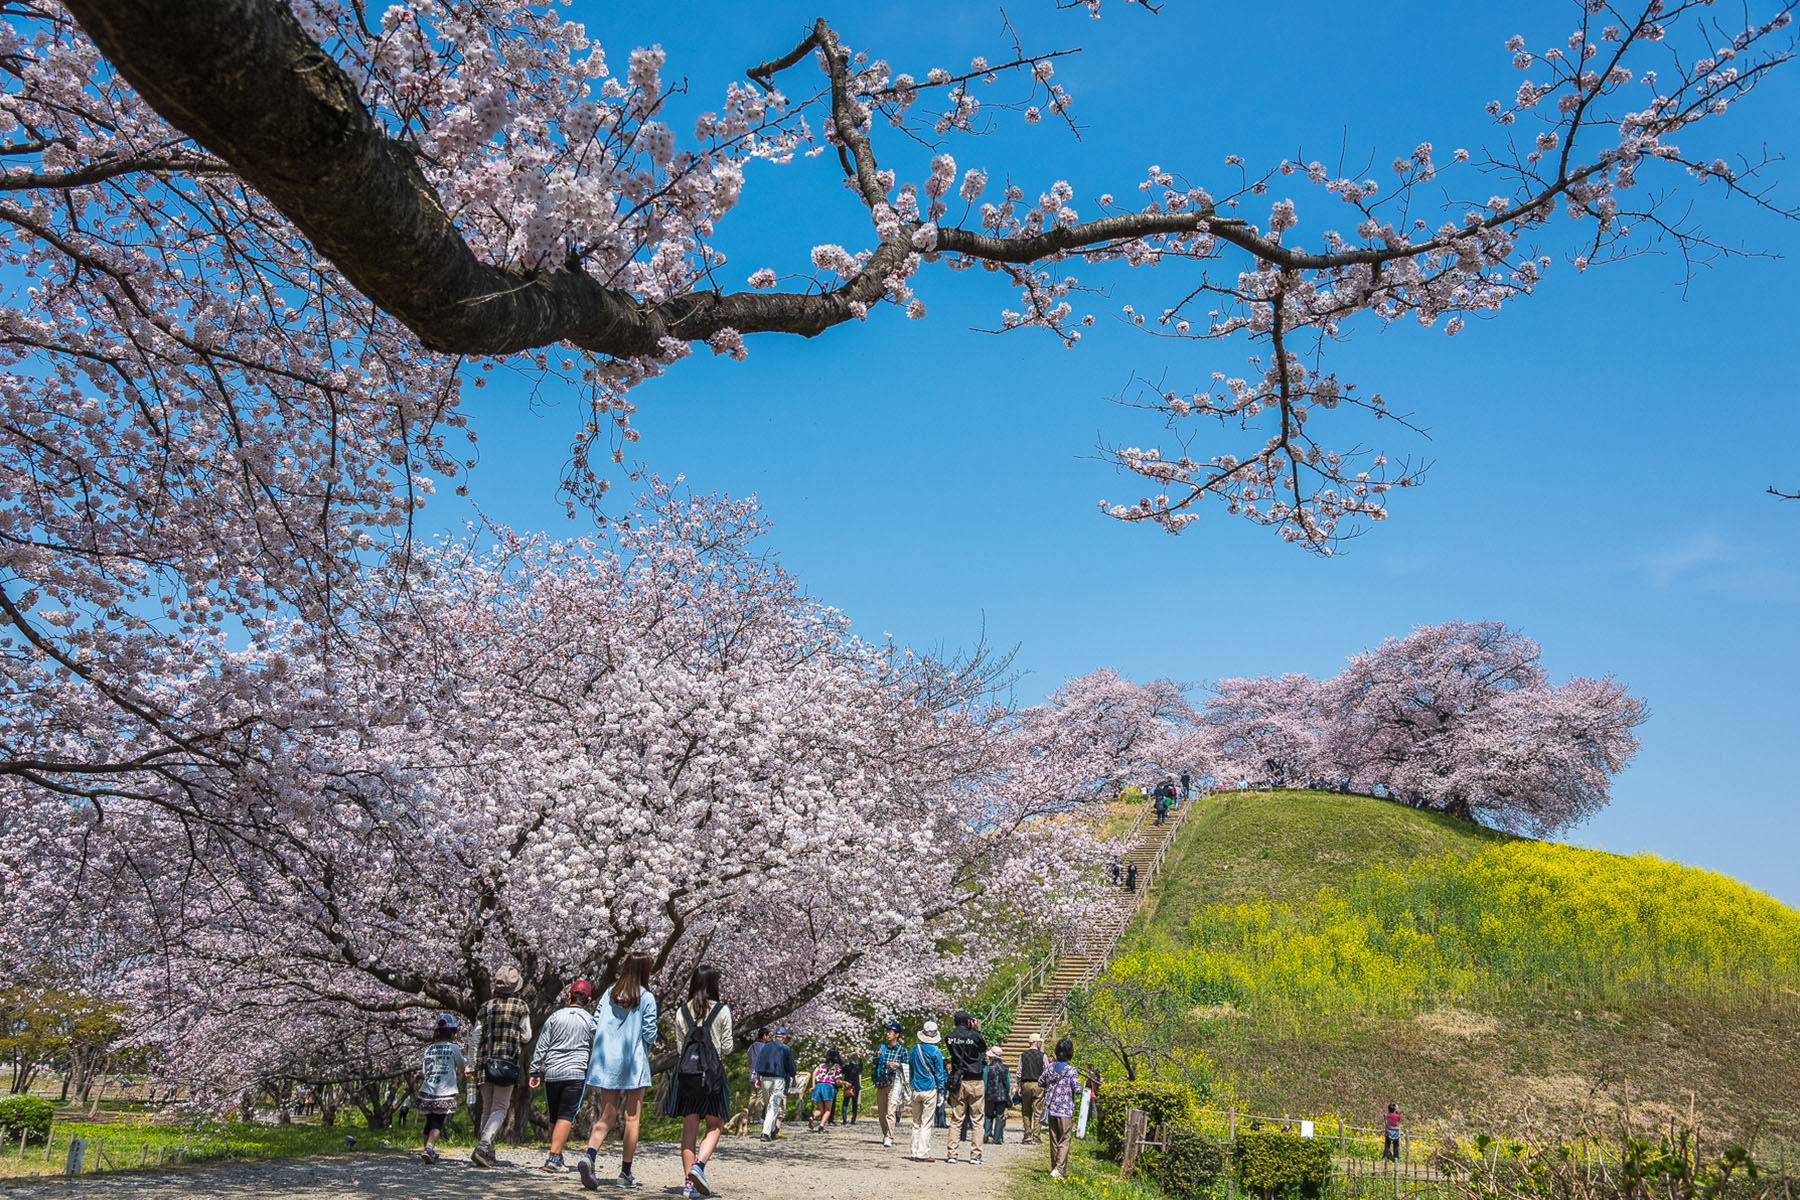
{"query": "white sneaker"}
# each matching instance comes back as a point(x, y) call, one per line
point(1056, 1174)
point(887, 1141)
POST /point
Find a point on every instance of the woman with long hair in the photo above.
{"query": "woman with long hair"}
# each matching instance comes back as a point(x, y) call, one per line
point(697, 1090)
point(619, 1064)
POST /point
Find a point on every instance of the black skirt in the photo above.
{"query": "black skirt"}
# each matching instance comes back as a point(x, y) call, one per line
point(687, 1095)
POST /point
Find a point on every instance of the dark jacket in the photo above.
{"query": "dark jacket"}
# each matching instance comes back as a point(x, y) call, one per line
point(964, 1050)
point(999, 1084)
point(776, 1060)
point(1031, 1066)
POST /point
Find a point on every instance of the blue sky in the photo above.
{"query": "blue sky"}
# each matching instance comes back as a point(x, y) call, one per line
point(1601, 449)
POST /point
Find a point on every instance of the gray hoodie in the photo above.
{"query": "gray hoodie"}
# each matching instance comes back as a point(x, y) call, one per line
point(562, 1049)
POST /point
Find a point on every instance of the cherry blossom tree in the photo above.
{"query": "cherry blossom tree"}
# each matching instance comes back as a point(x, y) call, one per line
point(1458, 718)
point(1461, 718)
point(1265, 729)
point(1123, 731)
point(563, 753)
point(261, 248)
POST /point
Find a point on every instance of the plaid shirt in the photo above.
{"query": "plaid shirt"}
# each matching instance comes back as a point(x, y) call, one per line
point(504, 1020)
point(889, 1064)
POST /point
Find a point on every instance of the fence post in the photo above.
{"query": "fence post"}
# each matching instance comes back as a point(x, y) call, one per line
point(1230, 1141)
point(1340, 1136)
point(77, 1149)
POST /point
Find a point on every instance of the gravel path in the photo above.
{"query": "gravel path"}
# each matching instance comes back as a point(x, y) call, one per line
point(841, 1164)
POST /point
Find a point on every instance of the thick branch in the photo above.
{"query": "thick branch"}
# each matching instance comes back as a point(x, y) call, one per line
point(244, 80)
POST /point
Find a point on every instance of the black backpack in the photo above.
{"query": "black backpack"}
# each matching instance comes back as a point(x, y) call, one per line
point(700, 1057)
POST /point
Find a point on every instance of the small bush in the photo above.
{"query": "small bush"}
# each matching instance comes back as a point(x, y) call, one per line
point(1161, 1102)
point(27, 1117)
point(1190, 1165)
point(1270, 1162)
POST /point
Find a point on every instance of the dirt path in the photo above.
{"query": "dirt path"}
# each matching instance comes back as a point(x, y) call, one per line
point(842, 1164)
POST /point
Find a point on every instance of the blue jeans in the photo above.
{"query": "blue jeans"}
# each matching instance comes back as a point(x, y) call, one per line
point(993, 1125)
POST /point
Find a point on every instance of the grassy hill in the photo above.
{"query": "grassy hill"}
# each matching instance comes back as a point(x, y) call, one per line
point(1334, 953)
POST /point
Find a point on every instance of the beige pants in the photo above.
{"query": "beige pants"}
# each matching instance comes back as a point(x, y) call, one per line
point(1062, 1133)
point(1029, 1095)
point(890, 1102)
point(968, 1100)
point(924, 1112)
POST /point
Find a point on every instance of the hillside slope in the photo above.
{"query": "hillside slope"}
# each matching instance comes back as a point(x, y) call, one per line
point(1341, 952)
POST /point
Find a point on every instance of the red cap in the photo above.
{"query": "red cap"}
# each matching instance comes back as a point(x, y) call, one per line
point(582, 987)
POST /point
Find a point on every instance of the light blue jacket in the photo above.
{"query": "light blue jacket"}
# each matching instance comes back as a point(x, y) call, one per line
point(622, 1037)
point(925, 1065)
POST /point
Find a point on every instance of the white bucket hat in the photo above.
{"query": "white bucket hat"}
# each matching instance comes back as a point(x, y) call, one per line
point(929, 1033)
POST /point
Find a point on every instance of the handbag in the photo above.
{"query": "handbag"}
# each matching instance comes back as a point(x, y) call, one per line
point(501, 1072)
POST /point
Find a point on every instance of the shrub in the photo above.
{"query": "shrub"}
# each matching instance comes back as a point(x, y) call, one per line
point(1269, 1162)
point(27, 1117)
point(1191, 1163)
point(1161, 1102)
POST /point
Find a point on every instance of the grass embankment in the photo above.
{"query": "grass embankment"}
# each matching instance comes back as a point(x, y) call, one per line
point(128, 1144)
point(1340, 952)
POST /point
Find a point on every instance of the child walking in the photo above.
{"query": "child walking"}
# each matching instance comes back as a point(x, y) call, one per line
point(441, 1080)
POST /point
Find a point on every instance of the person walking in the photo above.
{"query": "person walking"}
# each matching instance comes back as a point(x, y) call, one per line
point(624, 1025)
point(775, 1074)
point(850, 1091)
point(887, 1068)
point(1060, 1082)
point(967, 1055)
point(826, 1079)
point(697, 1092)
point(1031, 1069)
point(1390, 1142)
point(502, 1031)
point(1187, 785)
point(928, 1077)
point(1131, 878)
point(440, 1080)
point(560, 1063)
point(996, 1083)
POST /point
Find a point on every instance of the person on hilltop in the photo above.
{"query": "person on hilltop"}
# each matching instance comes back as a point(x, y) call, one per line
point(775, 1073)
point(441, 1079)
point(967, 1054)
point(697, 1091)
point(624, 1025)
point(560, 1063)
point(887, 1068)
point(502, 1031)
point(1060, 1083)
point(1031, 1070)
point(928, 1077)
point(1390, 1142)
point(827, 1077)
point(996, 1082)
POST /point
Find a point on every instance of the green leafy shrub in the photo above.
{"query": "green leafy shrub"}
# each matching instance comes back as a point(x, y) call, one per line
point(1191, 1163)
point(1270, 1163)
point(1161, 1102)
point(27, 1117)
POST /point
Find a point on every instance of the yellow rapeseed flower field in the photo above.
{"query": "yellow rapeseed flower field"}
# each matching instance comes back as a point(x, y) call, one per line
point(1513, 919)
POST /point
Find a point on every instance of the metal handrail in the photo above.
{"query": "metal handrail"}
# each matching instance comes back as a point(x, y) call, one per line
point(1100, 962)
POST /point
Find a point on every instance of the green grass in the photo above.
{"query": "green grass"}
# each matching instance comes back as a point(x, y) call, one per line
point(124, 1143)
point(1091, 1177)
point(1371, 953)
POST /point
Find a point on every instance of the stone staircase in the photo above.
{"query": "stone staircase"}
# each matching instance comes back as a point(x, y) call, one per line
point(1043, 989)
